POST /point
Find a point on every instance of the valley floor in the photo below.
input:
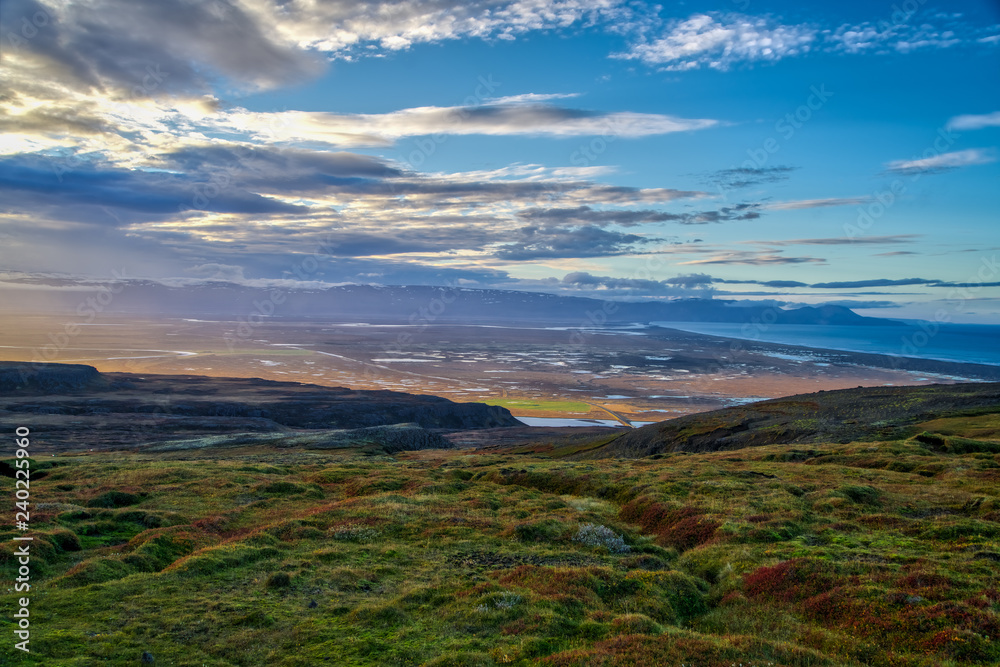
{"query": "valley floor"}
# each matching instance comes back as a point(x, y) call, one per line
point(626, 374)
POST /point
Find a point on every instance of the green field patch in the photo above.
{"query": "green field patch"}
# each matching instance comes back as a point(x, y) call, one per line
point(977, 426)
point(575, 407)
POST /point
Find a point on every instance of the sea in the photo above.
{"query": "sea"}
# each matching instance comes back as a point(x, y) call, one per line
point(967, 343)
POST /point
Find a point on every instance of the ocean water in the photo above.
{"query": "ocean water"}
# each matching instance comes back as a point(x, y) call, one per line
point(969, 343)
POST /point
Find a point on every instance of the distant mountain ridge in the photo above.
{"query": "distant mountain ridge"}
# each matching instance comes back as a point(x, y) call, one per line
point(418, 304)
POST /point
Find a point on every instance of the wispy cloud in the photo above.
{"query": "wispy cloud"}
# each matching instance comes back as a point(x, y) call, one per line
point(742, 177)
point(942, 162)
point(497, 119)
point(873, 240)
point(974, 122)
point(882, 282)
point(816, 203)
point(755, 258)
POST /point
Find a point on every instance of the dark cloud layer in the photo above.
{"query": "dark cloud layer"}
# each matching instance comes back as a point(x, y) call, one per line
point(587, 241)
point(42, 184)
point(167, 45)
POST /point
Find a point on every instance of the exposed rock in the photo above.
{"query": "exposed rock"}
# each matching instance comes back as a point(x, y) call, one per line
point(23, 376)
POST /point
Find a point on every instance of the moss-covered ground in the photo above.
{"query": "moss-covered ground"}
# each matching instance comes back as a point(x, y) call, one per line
point(874, 553)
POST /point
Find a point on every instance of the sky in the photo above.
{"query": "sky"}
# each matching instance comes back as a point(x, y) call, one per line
point(787, 152)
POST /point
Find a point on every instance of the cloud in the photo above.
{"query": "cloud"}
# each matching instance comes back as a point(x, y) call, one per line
point(40, 184)
point(610, 286)
point(884, 282)
point(895, 253)
point(630, 218)
point(346, 29)
point(765, 283)
point(690, 280)
point(974, 122)
point(875, 240)
point(719, 40)
point(743, 177)
point(816, 203)
point(851, 303)
point(744, 211)
point(586, 215)
point(942, 162)
point(587, 241)
point(492, 119)
point(229, 273)
point(901, 37)
point(755, 258)
point(165, 46)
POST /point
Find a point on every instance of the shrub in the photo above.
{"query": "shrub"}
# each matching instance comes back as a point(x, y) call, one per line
point(545, 530)
point(65, 540)
point(636, 624)
point(593, 535)
point(279, 580)
point(114, 499)
point(861, 494)
point(282, 488)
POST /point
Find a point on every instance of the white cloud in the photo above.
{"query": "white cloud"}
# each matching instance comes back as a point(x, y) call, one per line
point(348, 130)
point(344, 27)
point(974, 122)
point(720, 40)
point(942, 162)
point(901, 37)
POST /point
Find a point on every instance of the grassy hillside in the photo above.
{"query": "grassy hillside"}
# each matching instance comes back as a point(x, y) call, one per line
point(865, 413)
point(864, 553)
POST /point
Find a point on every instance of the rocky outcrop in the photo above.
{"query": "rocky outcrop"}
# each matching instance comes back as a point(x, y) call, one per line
point(23, 376)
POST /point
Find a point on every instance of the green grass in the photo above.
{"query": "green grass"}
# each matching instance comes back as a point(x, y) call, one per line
point(539, 405)
point(879, 553)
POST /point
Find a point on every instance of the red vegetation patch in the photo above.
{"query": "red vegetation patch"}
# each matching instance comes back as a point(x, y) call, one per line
point(559, 582)
point(680, 527)
point(925, 580)
point(789, 581)
point(659, 650)
point(535, 624)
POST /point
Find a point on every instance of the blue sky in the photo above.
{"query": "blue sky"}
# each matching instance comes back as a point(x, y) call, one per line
point(837, 153)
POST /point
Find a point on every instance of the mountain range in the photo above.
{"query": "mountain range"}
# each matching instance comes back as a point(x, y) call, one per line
point(414, 304)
